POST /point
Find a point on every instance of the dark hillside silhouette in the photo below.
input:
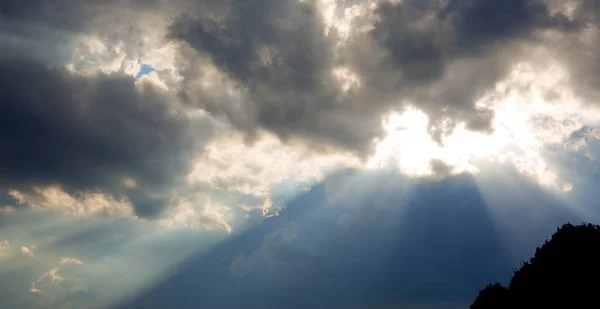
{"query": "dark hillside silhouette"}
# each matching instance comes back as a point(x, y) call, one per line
point(565, 271)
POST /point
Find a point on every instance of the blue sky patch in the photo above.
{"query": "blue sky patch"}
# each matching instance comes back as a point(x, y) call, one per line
point(144, 69)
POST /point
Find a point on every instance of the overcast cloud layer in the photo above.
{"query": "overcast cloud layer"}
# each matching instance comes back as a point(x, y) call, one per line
point(209, 117)
point(319, 73)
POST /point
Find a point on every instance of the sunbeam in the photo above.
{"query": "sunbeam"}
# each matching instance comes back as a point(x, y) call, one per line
point(289, 153)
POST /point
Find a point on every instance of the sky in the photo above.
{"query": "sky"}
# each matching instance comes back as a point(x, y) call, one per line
point(289, 153)
point(144, 69)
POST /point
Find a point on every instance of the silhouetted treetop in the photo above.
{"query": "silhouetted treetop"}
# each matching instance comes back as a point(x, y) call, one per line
point(493, 296)
point(564, 271)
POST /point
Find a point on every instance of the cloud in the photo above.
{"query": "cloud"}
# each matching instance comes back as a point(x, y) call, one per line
point(212, 219)
point(257, 47)
point(429, 50)
point(26, 251)
point(86, 133)
point(198, 213)
point(229, 165)
point(83, 33)
point(9, 248)
point(54, 289)
point(581, 140)
point(299, 77)
point(5, 249)
point(54, 198)
point(68, 260)
point(580, 50)
point(336, 88)
point(52, 274)
point(272, 212)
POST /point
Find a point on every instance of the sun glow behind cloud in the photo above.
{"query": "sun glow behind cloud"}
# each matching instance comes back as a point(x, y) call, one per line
point(528, 121)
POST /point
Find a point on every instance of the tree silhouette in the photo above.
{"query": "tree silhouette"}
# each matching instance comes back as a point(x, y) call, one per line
point(564, 272)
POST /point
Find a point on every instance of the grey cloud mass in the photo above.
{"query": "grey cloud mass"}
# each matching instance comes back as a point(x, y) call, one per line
point(73, 15)
point(276, 52)
point(444, 55)
point(440, 56)
point(581, 51)
point(87, 133)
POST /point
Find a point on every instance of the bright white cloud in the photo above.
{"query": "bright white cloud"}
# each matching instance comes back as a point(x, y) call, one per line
point(529, 120)
point(198, 213)
point(356, 17)
point(231, 165)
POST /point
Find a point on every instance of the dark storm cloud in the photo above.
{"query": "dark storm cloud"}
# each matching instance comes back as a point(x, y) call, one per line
point(55, 31)
point(73, 15)
point(478, 22)
point(86, 133)
point(581, 52)
point(439, 55)
point(446, 55)
point(277, 52)
point(423, 37)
